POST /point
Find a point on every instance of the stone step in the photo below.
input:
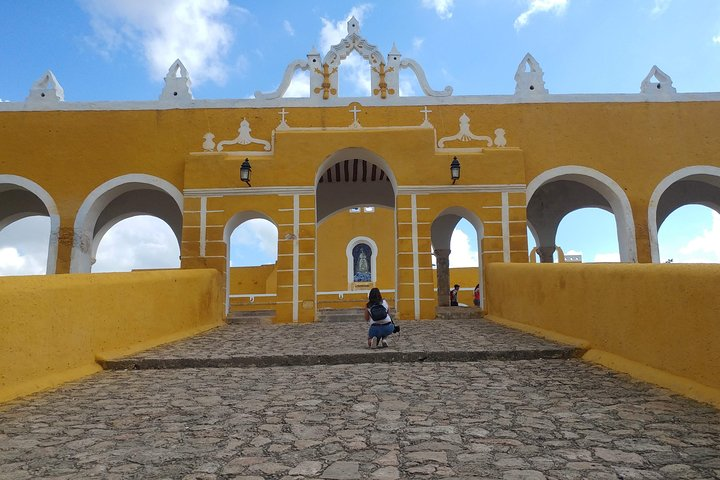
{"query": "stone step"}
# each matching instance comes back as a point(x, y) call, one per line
point(388, 355)
point(340, 314)
point(255, 317)
point(458, 313)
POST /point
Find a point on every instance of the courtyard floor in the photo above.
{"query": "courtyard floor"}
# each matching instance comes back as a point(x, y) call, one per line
point(450, 399)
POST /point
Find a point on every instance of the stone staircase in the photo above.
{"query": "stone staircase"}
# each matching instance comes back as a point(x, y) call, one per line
point(458, 313)
point(340, 315)
point(251, 317)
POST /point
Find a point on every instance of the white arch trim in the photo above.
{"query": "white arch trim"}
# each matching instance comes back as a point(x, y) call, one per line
point(49, 203)
point(605, 186)
point(95, 203)
point(350, 261)
point(664, 184)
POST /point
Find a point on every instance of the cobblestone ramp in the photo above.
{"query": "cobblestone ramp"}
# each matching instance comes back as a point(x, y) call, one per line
point(334, 343)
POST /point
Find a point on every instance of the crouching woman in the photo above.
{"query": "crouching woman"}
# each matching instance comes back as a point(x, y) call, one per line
point(377, 314)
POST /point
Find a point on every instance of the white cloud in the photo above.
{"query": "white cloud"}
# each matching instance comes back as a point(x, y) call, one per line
point(255, 238)
point(407, 88)
point(355, 70)
point(195, 31)
point(24, 246)
point(705, 248)
point(607, 257)
point(139, 242)
point(660, 6)
point(288, 28)
point(461, 255)
point(716, 39)
point(417, 43)
point(540, 6)
point(442, 7)
point(299, 85)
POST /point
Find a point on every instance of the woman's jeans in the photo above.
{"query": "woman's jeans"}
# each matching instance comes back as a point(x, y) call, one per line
point(381, 331)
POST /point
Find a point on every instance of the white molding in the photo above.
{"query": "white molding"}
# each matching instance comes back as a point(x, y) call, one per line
point(609, 189)
point(427, 189)
point(351, 261)
point(52, 210)
point(203, 225)
point(505, 213)
point(661, 187)
point(365, 101)
point(242, 191)
point(416, 256)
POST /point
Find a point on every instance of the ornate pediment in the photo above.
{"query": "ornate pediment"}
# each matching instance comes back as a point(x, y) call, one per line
point(384, 71)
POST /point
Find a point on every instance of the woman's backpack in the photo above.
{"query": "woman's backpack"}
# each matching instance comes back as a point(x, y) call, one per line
point(378, 312)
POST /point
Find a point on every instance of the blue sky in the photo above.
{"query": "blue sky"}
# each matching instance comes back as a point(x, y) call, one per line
point(121, 50)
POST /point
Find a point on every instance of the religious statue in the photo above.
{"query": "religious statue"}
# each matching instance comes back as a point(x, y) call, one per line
point(363, 266)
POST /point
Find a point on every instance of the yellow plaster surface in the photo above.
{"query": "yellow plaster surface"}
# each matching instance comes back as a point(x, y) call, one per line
point(656, 322)
point(56, 336)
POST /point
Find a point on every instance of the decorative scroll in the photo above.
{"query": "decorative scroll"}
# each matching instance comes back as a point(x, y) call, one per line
point(422, 80)
point(243, 138)
point(465, 135)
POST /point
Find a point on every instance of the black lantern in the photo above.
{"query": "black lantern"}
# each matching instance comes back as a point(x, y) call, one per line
point(245, 172)
point(455, 170)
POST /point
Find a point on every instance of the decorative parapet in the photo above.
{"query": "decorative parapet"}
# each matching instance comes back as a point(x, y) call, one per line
point(46, 89)
point(529, 78)
point(177, 83)
point(662, 85)
point(384, 73)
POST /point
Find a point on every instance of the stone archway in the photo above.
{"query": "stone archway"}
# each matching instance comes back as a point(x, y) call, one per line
point(116, 200)
point(691, 185)
point(441, 232)
point(559, 191)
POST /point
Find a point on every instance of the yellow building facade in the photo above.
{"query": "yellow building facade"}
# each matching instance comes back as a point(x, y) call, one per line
point(360, 189)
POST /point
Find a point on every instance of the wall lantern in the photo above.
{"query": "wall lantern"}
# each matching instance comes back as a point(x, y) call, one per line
point(245, 172)
point(455, 170)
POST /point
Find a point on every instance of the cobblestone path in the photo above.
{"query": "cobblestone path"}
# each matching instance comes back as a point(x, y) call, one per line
point(494, 419)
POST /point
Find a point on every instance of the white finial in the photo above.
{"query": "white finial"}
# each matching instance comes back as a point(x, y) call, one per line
point(177, 83)
point(353, 26)
point(46, 89)
point(662, 86)
point(529, 77)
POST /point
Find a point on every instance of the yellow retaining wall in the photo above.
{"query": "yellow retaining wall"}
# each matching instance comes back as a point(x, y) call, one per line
point(659, 323)
point(54, 327)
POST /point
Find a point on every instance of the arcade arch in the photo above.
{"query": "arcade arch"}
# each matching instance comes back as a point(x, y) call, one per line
point(116, 200)
point(235, 222)
point(698, 185)
point(559, 191)
point(21, 198)
point(441, 232)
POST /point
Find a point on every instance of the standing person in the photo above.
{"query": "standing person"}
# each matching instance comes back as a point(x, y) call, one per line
point(476, 295)
point(454, 295)
point(377, 314)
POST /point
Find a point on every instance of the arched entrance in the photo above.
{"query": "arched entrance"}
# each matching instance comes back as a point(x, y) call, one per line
point(251, 284)
point(441, 233)
point(557, 192)
point(355, 228)
point(21, 198)
point(698, 185)
point(116, 200)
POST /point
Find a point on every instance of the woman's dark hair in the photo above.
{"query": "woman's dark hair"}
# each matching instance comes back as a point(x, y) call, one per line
point(374, 297)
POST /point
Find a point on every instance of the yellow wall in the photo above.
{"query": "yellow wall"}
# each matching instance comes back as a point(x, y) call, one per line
point(333, 236)
point(657, 322)
point(53, 328)
point(257, 279)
